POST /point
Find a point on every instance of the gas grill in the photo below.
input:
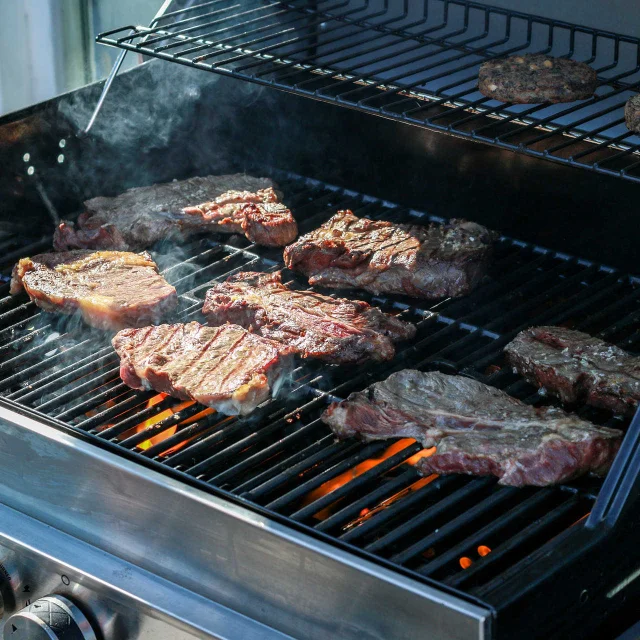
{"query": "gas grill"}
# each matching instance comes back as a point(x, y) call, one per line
point(146, 516)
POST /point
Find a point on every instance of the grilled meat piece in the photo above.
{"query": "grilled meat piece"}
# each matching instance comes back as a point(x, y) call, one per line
point(142, 216)
point(111, 289)
point(534, 78)
point(335, 330)
point(577, 367)
point(382, 257)
point(226, 368)
point(632, 113)
point(477, 429)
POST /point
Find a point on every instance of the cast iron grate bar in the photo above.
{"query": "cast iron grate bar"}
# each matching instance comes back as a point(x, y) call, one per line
point(416, 62)
point(282, 457)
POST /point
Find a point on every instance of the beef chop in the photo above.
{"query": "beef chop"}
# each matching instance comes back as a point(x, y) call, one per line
point(139, 217)
point(577, 367)
point(382, 257)
point(226, 368)
point(476, 429)
point(111, 289)
point(335, 330)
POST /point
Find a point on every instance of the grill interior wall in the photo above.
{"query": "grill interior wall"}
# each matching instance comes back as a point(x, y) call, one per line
point(283, 458)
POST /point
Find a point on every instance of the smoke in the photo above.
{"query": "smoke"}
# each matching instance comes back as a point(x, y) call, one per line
point(145, 105)
point(159, 122)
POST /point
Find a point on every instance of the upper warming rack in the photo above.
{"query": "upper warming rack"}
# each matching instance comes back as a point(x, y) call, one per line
point(412, 61)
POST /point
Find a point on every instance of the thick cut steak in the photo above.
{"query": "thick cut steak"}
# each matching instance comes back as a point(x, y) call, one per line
point(142, 216)
point(111, 289)
point(226, 368)
point(476, 429)
point(432, 261)
point(577, 367)
point(335, 330)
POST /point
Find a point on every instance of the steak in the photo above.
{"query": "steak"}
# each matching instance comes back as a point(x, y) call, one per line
point(334, 330)
point(577, 367)
point(226, 368)
point(476, 429)
point(432, 261)
point(139, 217)
point(111, 289)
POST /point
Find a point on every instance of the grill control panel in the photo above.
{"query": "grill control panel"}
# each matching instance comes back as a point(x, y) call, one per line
point(49, 618)
point(11, 584)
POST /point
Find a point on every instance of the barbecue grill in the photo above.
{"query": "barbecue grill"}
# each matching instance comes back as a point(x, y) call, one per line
point(163, 519)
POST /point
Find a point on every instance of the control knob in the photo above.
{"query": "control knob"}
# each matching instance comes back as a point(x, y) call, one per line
point(50, 618)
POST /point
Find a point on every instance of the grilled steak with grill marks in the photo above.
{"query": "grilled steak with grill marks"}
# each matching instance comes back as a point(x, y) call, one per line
point(111, 289)
point(226, 368)
point(335, 330)
point(476, 429)
point(382, 257)
point(144, 215)
point(577, 367)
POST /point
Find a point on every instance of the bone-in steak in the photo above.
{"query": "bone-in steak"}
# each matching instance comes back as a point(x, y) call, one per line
point(335, 330)
point(111, 289)
point(382, 257)
point(577, 367)
point(477, 429)
point(142, 216)
point(226, 368)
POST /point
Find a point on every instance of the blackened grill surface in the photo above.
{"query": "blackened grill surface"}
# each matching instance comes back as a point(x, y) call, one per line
point(476, 429)
point(577, 367)
point(335, 330)
point(383, 257)
point(368, 498)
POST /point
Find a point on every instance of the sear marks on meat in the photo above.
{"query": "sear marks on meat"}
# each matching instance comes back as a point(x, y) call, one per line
point(139, 217)
point(477, 429)
point(432, 261)
point(111, 289)
point(577, 367)
point(334, 330)
point(226, 368)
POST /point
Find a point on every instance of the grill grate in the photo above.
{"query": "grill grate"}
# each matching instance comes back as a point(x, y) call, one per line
point(412, 61)
point(284, 459)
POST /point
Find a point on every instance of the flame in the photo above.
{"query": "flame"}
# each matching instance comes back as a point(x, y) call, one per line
point(147, 444)
point(483, 550)
point(365, 514)
point(105, 405)
point(362, 467)
point(465, 562)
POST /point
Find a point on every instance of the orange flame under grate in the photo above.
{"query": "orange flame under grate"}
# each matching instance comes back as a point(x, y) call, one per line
point(160, 437)
point(359, 469)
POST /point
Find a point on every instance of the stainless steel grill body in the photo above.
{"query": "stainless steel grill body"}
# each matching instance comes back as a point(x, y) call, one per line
point(223, 520)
